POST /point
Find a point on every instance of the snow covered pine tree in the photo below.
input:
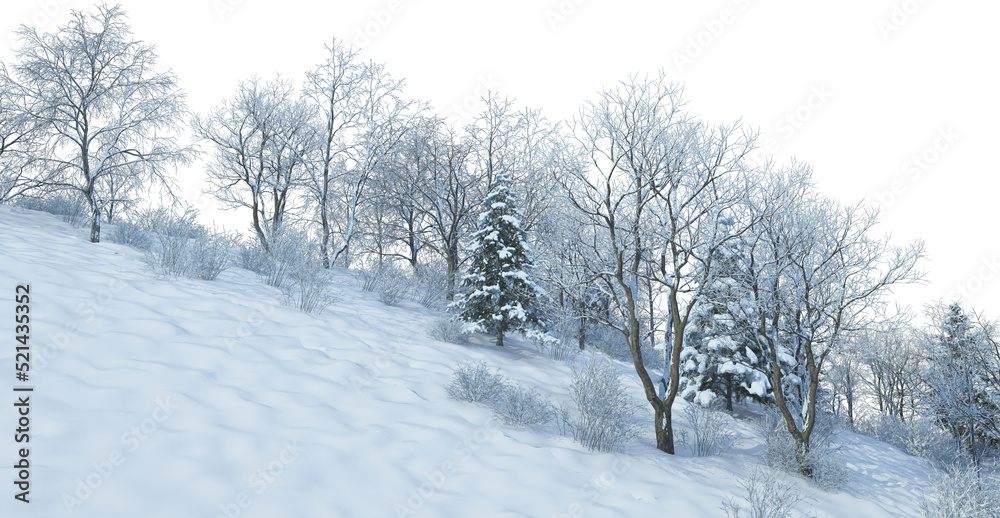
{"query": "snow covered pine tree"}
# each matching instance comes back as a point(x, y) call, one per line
point(500, 295)
point(717, 362)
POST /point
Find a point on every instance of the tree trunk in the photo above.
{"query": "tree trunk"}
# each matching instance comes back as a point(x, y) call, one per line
point(95, 226)
point(664, 430)
point(452, 264)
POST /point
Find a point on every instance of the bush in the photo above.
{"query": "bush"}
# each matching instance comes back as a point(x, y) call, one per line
point(210, 254)
point(252, 257)
point(764, 497)
point(289, 251)
point(609, 341)
point(920, 438)
point(181, 246)
point(389, 281)
point(962, 492)
point(474, 382)
point(130, 234)
point(308, 289)
point(449, 330)
point(70, 205)
point(606, 414)
point(560, 345)
point(780, 449)
point(170, 249)
point(518, 406)
point(710, 429)
point(433, 287)
point(393, 285)
point(368, 278)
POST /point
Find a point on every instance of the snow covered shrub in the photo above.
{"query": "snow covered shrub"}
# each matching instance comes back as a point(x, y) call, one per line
point(710, 429)
point(917, 437)
point(474, 382)
point(393, 285)
point(369, 277)
point(519, 406)
point(609, 341)
point(130, 234)
point(780, 449)
point(433, 287)
point(69, 205)
point(288, 252)
point(449, 330)
point(560, 341)
point(170, 252)
point(961, 492)
point(606, 414)
point(308, 288)
point(210, 254)
point(252, 257)
point(764, 496)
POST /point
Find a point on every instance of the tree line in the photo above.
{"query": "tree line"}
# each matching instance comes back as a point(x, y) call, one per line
point(725, 277)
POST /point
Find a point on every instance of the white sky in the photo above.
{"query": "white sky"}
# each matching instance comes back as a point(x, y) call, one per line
point(868, 84)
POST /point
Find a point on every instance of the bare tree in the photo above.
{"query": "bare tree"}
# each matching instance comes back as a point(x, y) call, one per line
point(362, 117)
point(19, 132)
point(260, 137)
point(492, 139)
point(893, 361)
point(658, 190)
point(400, 224)
point(334, 89)
point(817, 278)
point(449, 199)
point(107, 114)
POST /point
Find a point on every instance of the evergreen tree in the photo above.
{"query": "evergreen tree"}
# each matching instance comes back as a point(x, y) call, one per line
point(500, 295)
point(958, 380)
point(717, 362)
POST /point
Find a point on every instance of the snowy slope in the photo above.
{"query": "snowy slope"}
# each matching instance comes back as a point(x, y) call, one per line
point(182, 398)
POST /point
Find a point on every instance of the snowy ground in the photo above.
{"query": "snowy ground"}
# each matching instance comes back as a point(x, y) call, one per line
point(183, 398)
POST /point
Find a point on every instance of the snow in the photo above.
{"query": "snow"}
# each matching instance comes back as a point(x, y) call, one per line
point(179, 397)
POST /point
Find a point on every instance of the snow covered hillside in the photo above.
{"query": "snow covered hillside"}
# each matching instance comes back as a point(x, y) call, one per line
point(158, 397)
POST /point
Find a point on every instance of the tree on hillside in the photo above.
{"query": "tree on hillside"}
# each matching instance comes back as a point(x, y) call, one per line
point(259, 136)
point(501, 295)
point(961, 380)
point(717, 361)
point(106, 113)
point(659, 188)
point(817, 278)
point(18, 135)
point(448, 200)
point(361, 118)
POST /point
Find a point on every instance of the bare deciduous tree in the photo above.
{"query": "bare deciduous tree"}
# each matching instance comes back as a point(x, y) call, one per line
point(18, 135)
point(817, 278)
point(659, 192)
point(260, 137)
point(106, 113)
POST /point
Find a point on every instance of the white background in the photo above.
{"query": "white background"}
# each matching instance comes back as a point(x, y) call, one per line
point(868, 84)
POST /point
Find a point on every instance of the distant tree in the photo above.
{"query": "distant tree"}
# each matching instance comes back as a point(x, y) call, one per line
point(961, 377)
point(18, 135)
point(500, 293)
point(361, 118)
point(259, 136)
point(448, 200)
point(106, 113)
